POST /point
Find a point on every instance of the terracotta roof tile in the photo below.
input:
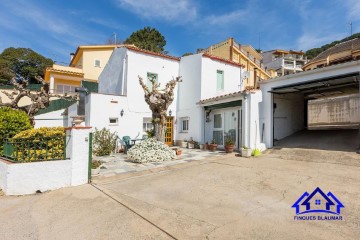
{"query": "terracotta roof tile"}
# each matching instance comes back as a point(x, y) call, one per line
point(223, 60)
point(50, 69)
point(217, 98)
point(152, 53)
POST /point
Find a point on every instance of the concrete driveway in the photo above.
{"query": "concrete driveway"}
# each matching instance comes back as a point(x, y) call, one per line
point(224, 198)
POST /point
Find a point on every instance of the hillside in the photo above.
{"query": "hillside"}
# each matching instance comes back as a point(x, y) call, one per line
point(311, 53)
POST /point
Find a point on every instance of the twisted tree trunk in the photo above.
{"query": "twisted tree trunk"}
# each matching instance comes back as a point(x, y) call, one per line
point(159, 101)
point(39, 99)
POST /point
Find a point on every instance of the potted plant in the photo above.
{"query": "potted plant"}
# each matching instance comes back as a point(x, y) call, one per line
point(95, 167)
point(206, 146)
point(184, 143)
point(177, 151)
point(201, 146)
point(229, 145)
point(212, 146)
point(246, 151)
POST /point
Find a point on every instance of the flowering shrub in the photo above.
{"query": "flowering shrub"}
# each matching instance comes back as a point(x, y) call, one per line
point(104, 142)
point(39, 144)
point(150, 150)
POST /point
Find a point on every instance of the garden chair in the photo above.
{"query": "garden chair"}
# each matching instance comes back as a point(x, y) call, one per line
point(127, 144)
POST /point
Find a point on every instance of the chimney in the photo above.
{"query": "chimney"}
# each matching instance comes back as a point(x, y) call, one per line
point(72, 56)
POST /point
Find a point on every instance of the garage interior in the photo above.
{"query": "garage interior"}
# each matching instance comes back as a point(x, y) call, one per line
point(319, 114)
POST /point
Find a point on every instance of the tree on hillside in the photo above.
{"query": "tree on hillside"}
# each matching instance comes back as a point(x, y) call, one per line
point(311, 53)
point(159, 101)
point(23, 62)
point(147, 38)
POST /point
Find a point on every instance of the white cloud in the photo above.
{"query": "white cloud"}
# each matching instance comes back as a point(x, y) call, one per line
point(180, 11)
point(231, 17)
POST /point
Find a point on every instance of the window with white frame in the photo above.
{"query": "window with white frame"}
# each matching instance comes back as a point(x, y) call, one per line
point(97, 63)
point(219, 80)
point(147, 124)
point(62, 89)
point(113, 121)
point(151, 76)
point(184, 124)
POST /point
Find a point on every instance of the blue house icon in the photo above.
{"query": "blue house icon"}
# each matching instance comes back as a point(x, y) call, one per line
point(318, 202)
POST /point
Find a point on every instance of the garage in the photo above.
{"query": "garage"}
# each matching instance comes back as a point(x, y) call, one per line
point(316, 109)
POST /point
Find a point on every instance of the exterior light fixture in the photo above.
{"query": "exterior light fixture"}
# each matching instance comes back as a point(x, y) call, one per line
point(122, 112)
point(170, 112)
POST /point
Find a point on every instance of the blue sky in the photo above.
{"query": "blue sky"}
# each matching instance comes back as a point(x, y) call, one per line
point(55, 28)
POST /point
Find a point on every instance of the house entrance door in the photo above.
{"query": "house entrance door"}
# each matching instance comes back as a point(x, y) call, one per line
point(225, 126)
point(169, 130)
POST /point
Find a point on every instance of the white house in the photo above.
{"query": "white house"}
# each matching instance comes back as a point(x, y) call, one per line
point(212, 103)
point(119, 105)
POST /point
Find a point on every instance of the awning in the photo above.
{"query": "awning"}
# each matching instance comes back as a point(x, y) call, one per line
point(324, 84)
point(236, 103)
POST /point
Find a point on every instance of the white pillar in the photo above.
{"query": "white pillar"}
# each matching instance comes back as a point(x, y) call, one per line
point(77, 149)
point(52, 85)
point(245, 120)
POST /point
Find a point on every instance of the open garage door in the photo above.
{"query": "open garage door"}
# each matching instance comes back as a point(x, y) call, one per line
point(331, 105)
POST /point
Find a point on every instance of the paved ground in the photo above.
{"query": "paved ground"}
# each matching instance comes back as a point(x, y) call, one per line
point(224, 198)
point(119, 164)
point(332, 140)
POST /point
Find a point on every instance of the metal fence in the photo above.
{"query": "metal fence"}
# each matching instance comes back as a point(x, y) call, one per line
point(35, 149)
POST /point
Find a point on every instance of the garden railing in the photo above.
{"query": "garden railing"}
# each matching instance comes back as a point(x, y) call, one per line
point(35, 149)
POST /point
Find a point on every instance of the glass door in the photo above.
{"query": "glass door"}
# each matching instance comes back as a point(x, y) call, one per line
point(230, 126)
point(218, 129)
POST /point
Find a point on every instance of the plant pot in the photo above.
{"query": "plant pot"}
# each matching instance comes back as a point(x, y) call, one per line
point(212, 147)
point(246, 152)
point(201, 146)
point(95, 171)
point(184, 144)
point(229, 148)
point(190, 145)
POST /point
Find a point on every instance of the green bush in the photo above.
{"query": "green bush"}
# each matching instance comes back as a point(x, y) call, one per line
point(104, 142)
point(12, 122)
point(39, 144)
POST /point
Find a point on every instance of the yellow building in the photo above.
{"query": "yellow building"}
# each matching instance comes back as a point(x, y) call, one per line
point(86, 63)
point(245, 55)
point(340, 53)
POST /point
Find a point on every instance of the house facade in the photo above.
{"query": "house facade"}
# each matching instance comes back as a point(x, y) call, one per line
point(340, 53)
point(245, 55)
point(119, 104)
point(284, 62)
point(212, 103)
point(86, 63)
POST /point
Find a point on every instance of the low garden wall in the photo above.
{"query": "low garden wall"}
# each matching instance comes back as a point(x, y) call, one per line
point(20, 178)
point(28, 178)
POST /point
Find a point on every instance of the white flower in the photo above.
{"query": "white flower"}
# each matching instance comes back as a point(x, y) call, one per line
point(150, 150)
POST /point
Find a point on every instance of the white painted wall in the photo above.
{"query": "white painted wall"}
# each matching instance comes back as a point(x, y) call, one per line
point(51, 119)
point(189, 93)
point(232, 78)
point(200, 77)
point(119, 89)
point(301, 77)
point(27, 178)
point(3, 172)
point(288, 115)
